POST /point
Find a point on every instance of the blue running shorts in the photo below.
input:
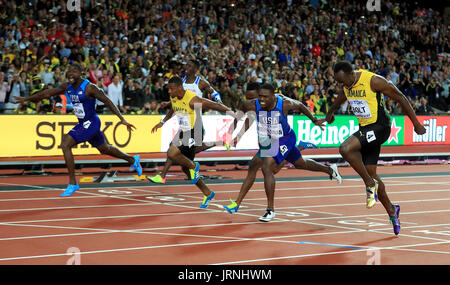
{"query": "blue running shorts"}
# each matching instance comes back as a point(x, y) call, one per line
point(283, 149)
point(88, 130)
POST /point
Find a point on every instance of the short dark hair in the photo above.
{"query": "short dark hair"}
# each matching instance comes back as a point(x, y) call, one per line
point(196, 63)
point(252, 86)
point(176, 80)
point(77, 66)
point(268, 86)
point(344, 66)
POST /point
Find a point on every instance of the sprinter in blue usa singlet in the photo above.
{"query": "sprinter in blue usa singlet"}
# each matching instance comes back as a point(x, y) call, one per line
point(277, 143)
point(83, 95)
point(275, 136)
point(88, 128)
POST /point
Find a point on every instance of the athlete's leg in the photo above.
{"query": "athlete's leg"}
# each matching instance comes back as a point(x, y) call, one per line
point(255, 164)
point(204, 146)
point(312, 165)
point(67, 143)
point(279, 167)
point(113, 151)
point(268, 168)
point(166, 168)
point(382, 195)
point(350, 150)
point(200, 184)
point(175, 155)
point(282, 164)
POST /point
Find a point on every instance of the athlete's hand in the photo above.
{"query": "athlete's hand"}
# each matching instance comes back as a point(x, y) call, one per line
point(320, 123)
point(164, 104)
point(20, 100)
point(233, 114)
point(130, 127)
point(156, 127)
point(420, 129)
point(329, 118)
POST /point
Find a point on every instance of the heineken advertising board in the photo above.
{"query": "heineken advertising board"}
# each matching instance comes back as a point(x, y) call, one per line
point(402, 130)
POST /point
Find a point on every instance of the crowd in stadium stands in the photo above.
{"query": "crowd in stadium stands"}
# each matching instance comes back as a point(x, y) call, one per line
point(131, 48)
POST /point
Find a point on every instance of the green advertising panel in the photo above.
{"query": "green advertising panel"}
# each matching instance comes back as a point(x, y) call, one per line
point(397, 136)
point(334, 134)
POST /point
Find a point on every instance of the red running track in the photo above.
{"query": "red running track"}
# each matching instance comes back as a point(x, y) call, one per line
point(317, 222)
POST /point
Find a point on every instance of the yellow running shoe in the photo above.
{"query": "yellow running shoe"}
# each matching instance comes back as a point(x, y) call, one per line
point(157, 179)
point(195, 174)
point(206, 200)
point(232, 208)
point(226, 145)
point(372, 195)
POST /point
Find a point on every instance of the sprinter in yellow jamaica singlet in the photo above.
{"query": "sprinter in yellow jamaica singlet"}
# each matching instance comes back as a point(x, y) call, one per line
point(364, 91)
point(187, 107)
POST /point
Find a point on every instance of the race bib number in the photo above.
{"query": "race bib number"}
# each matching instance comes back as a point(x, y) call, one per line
point(78, 110)
point(360, 109)
point(184, 123)
point(273, 131)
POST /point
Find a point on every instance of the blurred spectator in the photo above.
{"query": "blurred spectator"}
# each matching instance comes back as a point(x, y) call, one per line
point(151, 108)
point(47, 75)
point(391, 107)
point(60, 104)
point(133, 96)
point(17, 89)
point(308, 103)
point(63, 50)
point(445, 92)
point(5, 86)
point(424, 108)
point(115, 92)
point(433, 91)
point(394, 76)
point(290, 44)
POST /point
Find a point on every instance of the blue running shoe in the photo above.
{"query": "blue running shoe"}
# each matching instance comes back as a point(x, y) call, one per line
point(232, 208)
point(195, 174)
point(70, 190)
point(206, 200)
point(395, 220)
point(306, 145)
point(136, 165)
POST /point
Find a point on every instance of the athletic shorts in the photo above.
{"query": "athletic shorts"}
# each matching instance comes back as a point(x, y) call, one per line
point(88, 130)
point(186, 141)
point(371, 137)
point(283, 149)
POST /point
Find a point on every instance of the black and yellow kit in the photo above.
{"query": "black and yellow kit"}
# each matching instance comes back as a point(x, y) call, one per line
point(374, 122)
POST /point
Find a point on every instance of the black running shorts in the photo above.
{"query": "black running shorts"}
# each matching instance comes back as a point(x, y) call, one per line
point(187, 141)
point(371, 138)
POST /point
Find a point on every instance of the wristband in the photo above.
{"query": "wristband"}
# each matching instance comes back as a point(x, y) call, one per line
point(216, 97)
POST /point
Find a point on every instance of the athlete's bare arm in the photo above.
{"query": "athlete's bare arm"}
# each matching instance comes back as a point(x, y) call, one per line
point(295, 105)
point(43, 94)
point(246, 108)
point(92, 91)
point(210, 105)
point(341, 98)
point(380, 84)
point(163, 121)
point(205, 87)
